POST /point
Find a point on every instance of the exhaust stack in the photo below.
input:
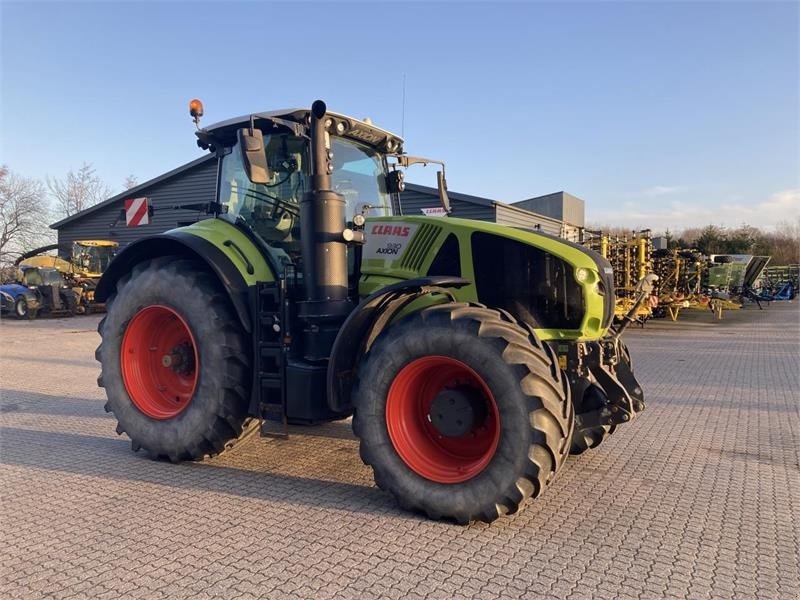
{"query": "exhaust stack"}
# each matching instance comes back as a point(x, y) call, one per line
point(324, 251)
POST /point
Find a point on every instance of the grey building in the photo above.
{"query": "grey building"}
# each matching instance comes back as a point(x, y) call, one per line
point(195, 182)
point(417, 199)
point(567, 209)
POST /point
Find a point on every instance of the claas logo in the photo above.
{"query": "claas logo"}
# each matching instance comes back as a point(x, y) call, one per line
point(390, 230)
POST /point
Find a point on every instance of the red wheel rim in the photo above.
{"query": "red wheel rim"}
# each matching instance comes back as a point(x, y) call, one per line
point(421, 446)
point(159, 362)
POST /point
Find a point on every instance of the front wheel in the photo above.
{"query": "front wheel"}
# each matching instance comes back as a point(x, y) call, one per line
point(22, 310)
point(461, 413)
point(174, 360)
point(70, 300)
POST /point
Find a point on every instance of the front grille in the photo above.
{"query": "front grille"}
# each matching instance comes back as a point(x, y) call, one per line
point(419, 248)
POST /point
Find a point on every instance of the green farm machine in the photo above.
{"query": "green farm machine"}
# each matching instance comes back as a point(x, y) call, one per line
point(473, 358)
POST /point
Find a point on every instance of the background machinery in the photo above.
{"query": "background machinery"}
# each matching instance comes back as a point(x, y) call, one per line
point(81, 271)
point(19, 301)
point(54, 295)
point(472, 357)
point(630, 259)
point(780, 282)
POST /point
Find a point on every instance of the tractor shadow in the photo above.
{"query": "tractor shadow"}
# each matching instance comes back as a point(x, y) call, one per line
point(316, 466)
point(20, 402)
point(47, 360)
point(112, 459)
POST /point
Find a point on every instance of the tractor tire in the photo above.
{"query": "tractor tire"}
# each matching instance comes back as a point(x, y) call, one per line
point(587, 439)
point(70, 302)
point(175, 361)
point(592, 438)
point(461, 413)
point(22, 311)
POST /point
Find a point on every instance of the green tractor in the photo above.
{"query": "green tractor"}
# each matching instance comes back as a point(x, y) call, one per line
point(473, 358)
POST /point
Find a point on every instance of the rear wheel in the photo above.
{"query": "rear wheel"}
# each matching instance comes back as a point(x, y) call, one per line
point(70, 301)
point(461, 413)
point(175, 363)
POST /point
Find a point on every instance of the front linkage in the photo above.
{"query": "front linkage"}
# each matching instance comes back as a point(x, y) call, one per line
point(604, 390)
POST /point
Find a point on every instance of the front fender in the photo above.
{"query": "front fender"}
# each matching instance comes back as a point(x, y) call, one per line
point(185, 245)
point(373, 314)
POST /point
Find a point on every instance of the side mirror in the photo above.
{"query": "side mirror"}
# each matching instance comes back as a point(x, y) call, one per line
point(441, 183)
point(251, 145)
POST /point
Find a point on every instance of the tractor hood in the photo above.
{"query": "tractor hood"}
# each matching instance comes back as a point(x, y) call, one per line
point(14, 290)
point(564, 290)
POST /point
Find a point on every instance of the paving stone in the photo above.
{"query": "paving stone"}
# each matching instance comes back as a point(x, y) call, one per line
point(695, 499)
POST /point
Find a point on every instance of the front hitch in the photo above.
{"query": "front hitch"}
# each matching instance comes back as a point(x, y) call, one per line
point(605, 366)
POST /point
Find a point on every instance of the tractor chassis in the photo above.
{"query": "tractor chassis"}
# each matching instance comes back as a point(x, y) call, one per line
point(289, 385)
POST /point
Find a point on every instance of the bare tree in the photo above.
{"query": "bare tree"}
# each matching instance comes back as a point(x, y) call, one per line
point(24, 215)
point(78, 190)
point(131, 181)
point(786, 243)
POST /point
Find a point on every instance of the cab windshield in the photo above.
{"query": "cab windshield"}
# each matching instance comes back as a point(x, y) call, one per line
point(93, 259)
point(37, 277)
point(272, 210)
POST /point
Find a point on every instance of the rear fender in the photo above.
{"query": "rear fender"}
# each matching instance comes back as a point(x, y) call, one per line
point(184, 245)
point(366, 322)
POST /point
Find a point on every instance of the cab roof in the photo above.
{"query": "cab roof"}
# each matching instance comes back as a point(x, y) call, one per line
point(224, 132)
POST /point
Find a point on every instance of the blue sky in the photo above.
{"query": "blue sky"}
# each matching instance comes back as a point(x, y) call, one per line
point(658, 114)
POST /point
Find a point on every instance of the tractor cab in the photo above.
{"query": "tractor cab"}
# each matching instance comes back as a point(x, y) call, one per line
point(270, 204)
point(92, 257)
point(35, 277)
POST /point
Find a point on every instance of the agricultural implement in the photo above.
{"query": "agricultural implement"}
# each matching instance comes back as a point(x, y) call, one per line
point(780, 282)
point(473, 358)
point(691, 281)
point(631, 261)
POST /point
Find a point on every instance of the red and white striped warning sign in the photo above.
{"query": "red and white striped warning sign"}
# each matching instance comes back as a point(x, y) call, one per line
point(137, 212)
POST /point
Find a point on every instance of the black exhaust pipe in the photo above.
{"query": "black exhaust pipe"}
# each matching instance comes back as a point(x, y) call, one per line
point(324, 251)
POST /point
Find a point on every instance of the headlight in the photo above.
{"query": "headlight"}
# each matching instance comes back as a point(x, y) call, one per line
point(584, 275)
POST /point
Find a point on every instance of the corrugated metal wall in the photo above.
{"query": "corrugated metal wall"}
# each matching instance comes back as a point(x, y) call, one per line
point(197, 184)
point(574, 210)
point(413, 201)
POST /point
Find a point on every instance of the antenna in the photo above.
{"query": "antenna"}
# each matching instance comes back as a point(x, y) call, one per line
point(403, 117)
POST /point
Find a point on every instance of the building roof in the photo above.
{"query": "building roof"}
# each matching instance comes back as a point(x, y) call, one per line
point(559, 194)
point(515, 207)
point(131, 193)
point(424, 189)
